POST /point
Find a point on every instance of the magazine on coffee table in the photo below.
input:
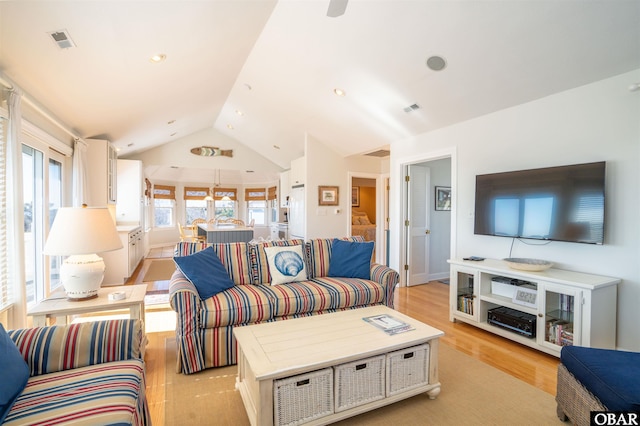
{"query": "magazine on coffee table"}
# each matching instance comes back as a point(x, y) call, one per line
point(389, 324)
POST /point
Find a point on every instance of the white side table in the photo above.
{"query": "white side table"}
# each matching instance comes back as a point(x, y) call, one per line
point(59, 307)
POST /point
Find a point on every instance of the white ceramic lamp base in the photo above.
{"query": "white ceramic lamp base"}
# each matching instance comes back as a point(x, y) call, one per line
point(81, 276)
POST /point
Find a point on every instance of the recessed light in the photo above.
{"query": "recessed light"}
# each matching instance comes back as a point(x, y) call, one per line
point(129, 145)
point(240, 113)
point(276, 147)
point(171, 122)
point(158, 58)
point(173, 134)
point(248, 86)
point(436, 63)
point(339, 92)
point(229, 126)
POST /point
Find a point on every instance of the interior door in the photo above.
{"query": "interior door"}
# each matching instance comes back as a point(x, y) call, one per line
point(417, 224)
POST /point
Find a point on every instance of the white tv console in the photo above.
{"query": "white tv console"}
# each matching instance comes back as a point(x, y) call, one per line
point(569, 307)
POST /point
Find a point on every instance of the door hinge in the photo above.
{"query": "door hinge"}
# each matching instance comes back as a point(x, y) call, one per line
point(407, 178)
point(406, 267)
point(406, 222)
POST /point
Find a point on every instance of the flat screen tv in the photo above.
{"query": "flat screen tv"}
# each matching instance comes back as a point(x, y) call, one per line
point(563, 203)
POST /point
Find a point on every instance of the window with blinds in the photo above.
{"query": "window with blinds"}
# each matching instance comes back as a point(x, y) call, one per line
point(6, 291)
point(195, 206)
point(272, 193)
point(220, 193)
point(192, 193)
point(255, 194)
point(164, 192)
point(164, 197)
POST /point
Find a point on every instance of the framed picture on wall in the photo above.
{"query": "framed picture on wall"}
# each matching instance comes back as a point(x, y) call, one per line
point(328, 196)
point(355, 196)
point(443, 198)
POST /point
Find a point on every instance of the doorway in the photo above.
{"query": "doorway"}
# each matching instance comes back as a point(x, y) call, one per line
point(368, 212)
point(427, 212)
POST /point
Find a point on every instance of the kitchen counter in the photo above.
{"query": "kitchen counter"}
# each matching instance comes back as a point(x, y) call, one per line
point(126, 228)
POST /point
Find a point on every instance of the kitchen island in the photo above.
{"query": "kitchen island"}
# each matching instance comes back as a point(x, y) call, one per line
point(225, 233)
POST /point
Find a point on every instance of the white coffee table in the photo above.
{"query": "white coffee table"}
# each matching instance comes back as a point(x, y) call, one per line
point(59, 307)
point(282, 349)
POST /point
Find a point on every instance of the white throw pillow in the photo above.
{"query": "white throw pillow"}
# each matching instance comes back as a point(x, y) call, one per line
point(286, 264)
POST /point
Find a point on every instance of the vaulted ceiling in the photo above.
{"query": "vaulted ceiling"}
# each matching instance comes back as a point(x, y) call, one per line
point(263, 72)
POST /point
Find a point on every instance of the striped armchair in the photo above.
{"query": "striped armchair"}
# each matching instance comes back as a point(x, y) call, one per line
point(204, 329)
point(89, 373)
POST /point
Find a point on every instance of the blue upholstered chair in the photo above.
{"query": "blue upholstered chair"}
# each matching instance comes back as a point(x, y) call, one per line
point(591, 379)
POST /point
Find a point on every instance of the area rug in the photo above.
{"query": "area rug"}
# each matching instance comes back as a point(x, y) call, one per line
point(159, 270)
point(473, 393)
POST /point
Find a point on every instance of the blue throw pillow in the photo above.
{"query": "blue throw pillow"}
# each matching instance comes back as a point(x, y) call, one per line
point(350, 259)
point(14, 372)
point(205, 271)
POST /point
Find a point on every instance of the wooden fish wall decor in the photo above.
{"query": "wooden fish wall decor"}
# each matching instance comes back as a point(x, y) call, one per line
point(212, 151)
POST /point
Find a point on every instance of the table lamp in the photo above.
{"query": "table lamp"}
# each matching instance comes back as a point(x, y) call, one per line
point(80, 233)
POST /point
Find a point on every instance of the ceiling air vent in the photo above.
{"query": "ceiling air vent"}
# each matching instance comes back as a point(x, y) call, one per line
point(62, 39)
point(380, 153)
point(412, 108)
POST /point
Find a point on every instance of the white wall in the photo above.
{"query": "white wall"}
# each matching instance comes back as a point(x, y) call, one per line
point(596, 122)
point(178, 154)
point(325, 167)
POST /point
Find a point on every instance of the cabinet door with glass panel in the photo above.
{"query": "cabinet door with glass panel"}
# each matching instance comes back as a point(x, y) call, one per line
point(464, 299)
point(561, 314)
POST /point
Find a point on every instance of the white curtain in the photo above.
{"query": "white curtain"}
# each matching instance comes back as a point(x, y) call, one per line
point(80, 191)
point(15, 211)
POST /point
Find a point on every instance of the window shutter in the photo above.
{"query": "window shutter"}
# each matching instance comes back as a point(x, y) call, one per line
point(272, 193)
point(6, 290)
point(193, 193)
point(218, 193)
point(255, 194)
point(164, 192)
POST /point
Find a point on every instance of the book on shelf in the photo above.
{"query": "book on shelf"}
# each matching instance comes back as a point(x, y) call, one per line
point(465, 303)
point(559, 332)
point(389, 324)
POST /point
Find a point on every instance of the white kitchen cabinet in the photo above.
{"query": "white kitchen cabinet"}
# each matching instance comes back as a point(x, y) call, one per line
point(101, 173)
point(298, 172)
point(129, 208)
point(552, 308)
point(121, 264)
point(285, 189)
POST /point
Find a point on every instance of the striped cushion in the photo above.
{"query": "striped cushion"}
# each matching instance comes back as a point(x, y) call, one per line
point(318, 254)
point(259, 264)
point(111, 393)
point(234, 257)
point(185, 248)
point(58, 348)
point(322, 294)
point(219, 347)
point(241, 304)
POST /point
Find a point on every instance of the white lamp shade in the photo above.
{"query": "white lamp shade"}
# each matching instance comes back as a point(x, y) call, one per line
point(82, 230)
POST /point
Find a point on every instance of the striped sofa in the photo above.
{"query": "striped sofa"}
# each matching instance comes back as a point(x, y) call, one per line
point(204, 329)
point(82, 374)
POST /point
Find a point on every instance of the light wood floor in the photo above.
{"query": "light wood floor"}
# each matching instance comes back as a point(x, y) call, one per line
point(427, 303)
